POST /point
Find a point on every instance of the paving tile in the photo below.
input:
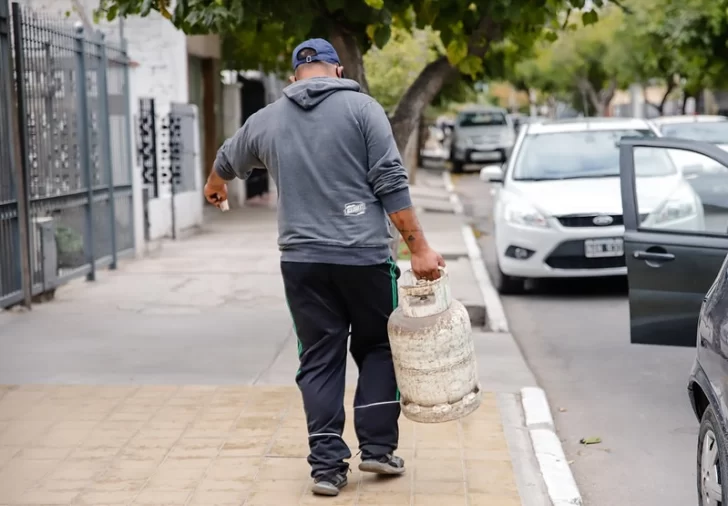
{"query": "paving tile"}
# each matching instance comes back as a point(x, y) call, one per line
point(371, 484)
point(494, 500)
point(439, 470)
point(47, 497)
point(234, 468)
point(105, 497)
point(176, 479)
point(274, 498)
point(283, 469)
point(207, 446)
point(164, 497)
point(440, 500)
point(375, 499)
point(218, 498)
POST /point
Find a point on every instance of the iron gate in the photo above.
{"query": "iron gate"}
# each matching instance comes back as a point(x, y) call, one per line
point(66, 193)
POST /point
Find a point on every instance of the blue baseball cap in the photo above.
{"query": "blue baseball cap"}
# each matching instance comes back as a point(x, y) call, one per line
point(325, 52)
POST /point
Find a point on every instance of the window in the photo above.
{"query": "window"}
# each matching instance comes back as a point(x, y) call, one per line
point(693, 200)
point(715, 132)
point(493, 118)
point(584, 154)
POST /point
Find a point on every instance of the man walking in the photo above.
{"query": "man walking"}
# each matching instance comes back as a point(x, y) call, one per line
point(331, 152)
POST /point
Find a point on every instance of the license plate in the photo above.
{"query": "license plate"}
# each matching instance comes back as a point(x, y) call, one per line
point(600, 248)
point(485, 156)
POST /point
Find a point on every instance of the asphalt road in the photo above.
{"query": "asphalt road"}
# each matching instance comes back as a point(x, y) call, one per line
point(575, 337)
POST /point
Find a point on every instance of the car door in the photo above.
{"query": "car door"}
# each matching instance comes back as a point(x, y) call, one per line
point(674, 244)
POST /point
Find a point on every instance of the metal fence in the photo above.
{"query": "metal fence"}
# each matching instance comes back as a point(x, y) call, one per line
point(65, 153)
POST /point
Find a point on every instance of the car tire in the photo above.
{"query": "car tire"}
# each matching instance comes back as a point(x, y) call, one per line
point(509, 285)
point(712, 461)
point(458, 167)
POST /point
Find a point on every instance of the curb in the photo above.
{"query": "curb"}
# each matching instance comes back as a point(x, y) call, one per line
point(552, 463)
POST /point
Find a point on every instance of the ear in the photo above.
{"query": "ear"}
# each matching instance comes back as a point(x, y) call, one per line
point(340, 71)
point(291, 79)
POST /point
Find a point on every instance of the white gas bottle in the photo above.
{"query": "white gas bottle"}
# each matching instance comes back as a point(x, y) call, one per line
point(433, 352)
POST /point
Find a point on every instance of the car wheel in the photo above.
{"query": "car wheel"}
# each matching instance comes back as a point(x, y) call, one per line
point(458, 167)
point(712, 460)
point(509, 285)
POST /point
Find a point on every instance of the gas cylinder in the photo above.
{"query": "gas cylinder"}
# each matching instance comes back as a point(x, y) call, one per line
point(433, 351)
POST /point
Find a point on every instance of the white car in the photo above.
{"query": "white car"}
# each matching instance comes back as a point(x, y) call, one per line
point(558, 211)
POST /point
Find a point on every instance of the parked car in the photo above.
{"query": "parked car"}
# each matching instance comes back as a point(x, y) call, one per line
point(704, 174)
point(481, 134)
point(678, 295)
point(558, 211)
point(700, 127)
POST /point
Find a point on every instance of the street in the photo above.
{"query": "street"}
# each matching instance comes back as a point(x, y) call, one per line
point(575, 337)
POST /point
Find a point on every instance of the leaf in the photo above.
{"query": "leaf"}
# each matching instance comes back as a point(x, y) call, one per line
point(590, 440)
point(471, 65)
point(375, 4)
point(457, 50)
point(589, 17)
point(382, 33)
point(551, 36)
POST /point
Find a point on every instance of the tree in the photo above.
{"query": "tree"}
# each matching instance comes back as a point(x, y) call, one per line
point(467, 31)
point(393, 68)
point(584, 62)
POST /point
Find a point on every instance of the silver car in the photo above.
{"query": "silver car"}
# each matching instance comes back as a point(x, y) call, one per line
point(481, 134)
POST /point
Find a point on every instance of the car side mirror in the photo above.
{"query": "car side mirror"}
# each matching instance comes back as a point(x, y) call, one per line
point(491, 174)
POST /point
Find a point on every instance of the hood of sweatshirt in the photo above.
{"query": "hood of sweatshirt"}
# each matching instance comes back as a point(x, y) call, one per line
point(308, 93)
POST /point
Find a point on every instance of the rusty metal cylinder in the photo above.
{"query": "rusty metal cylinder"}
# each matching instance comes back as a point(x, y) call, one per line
point(433, 352)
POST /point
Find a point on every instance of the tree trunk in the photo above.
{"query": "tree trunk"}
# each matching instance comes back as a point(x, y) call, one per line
point(351, 56)
point(433, 77)
point(684, 102)
point(601, 99)
point(418, 96)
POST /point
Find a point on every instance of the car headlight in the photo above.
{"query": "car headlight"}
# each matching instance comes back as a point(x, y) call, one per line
point(508, 140)
point(520, 212)
point(680, 205)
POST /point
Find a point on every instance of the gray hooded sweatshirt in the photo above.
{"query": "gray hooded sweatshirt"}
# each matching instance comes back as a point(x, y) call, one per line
point(332, 155)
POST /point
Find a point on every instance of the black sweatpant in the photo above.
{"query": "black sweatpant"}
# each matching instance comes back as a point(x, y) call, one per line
point(327, 300)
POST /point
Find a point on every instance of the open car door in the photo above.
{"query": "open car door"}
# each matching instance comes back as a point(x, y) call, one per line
point(675, 204)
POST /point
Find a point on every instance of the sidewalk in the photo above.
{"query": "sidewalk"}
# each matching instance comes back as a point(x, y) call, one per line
point(170, 382)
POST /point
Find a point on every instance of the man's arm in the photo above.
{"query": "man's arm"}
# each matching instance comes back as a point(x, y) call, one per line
point(388, 179)
point(236, 158)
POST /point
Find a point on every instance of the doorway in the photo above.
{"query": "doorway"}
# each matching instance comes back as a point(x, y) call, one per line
point(252, 100)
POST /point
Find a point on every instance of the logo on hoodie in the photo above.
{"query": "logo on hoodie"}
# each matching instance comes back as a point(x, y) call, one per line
point(355, 209)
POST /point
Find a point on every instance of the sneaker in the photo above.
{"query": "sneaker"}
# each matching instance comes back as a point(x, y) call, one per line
point(329, 484)
point(388, 464)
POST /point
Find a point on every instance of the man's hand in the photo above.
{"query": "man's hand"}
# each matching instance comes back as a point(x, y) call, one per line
point(216, 192)
point(426, 264)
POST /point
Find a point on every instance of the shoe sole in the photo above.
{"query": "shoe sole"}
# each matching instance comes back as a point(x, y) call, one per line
point(327, 489)
point(372, 466)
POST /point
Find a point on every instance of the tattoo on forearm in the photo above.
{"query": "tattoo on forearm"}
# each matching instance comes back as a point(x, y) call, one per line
point(410, 235)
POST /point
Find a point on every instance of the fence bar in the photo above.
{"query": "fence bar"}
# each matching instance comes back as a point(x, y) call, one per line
point(106, 142)
point(128, 132)
point(83, 144)
point(22, 165)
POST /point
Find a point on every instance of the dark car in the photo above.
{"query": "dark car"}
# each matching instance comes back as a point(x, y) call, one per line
point(678, 290)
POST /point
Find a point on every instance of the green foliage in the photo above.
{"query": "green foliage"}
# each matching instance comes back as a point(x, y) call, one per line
point(393, 68)
point(584, 59)
point(264, 30)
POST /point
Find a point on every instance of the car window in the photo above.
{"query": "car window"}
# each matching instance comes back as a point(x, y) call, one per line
point(585, 154)
point(715, 132)
point(695, 200)
point(493, 118)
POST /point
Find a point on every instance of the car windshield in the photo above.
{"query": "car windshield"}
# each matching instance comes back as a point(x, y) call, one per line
point(715, 132)
point(482, 118)
point(576, 155)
